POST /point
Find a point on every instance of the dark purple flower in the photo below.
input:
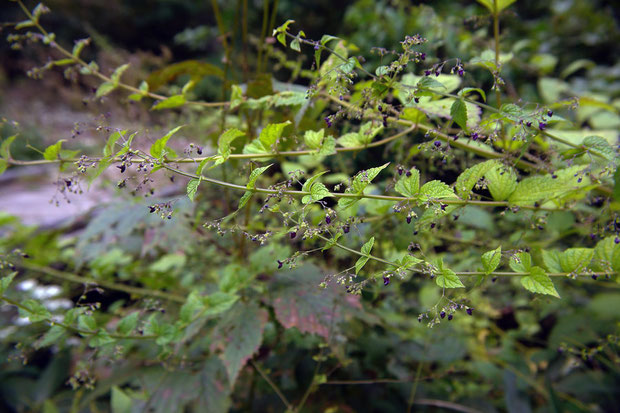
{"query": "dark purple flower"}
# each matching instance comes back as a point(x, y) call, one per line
point(386, 280)
point(408, 220)
point(346, 229)
point(408, 174)
point(316, 46)
point(293, 234)
point(442, 314)
point(199, 150)
point(461, 72)
point(422, 56)
point(400, 170)
point(617, 240)
point(328, 121)
point(550, 113)
point(280, 263)
point(470, 311)
point(542, 125)
point(474, 135)
point(594, 276)
point(328, 219)
point(427, 73)
point(380, 108)
point(416, 99)
point(450, 317)
point(437, 144)
point(121, 167)
point(528, 124)
point(433, 225)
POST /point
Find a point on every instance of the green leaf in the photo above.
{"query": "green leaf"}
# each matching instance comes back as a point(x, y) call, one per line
point(236, 96)
point(328, 147)
point(332, 241)
point(241, 333)
point(5, 147)
point(105, 88)
point(448, 279)
point(251, 185)
point(409, 185)
point(436, 190)
point(280, 31)
point(539, 282)
point(169, 103)
point(361, 138)
point(349, 65)
point(501, 5)
point(116, 76)
point(52, 152)
point(428, 82)
point(108, 149)
point(616, 189)
point(600, 145)
point(502, 181)
point(158, 148)
point(491, 259)
point(223, 144)
point(551, 259)
point(87, 322)
point(192, 187)
point(119, 401)
point(576, 259)
point(295, 45)
point(267, 138)
point(317, 190)
point(6, 281)
point(314, 139)
point(218, 302)
point(458, 112)
point(467, 90)
point(470, 176)
point(607, 254)
point(521, 262)
point(127, 324)
point(3, 165)
point(381, 70)
point(51, 337)
point(366, 248)
point(361, 180)
point(545, 188)
point(34, 311)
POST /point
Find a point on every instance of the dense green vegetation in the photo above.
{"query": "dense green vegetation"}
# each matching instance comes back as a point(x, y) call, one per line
point(366, 206)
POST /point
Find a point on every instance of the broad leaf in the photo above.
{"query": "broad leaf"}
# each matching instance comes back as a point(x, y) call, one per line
point(539, 282)
point(409, 185)
point(366, 248)
point(158, 148)
point(501, 181)
point(491, 259)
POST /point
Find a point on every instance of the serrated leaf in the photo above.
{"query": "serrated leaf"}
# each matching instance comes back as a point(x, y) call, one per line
point(267, 138)
point(600, 145)
point(328, 147)
point(5, 147)
point(240, 333)
point(34, 311)
point(192, 187)
point(551, 259)
point(6, 281)
point(236, 96)
point(116, 76)
point(119, 401)
point(104, 89)
point(607, 254)
point(521, 262)
point(158, 148)
point(539, 282)
point(576, 259)
point(436, 190)
point(448, 279)
point(409, 185)
point(458, 112)
point(87, 322)
point(545, 188)
point(51, 336)
point(428, 82)
point(501, 182)
point(366, 248)
point(313, 139)
point(127, 324)
point(251, 185)
point(52, 152)
point(169, 103)
point(381, 70)
point(108, 149)
point(223, 143)
point(467, 90)
point(361, 180)
point(332, 241)
point(491, 259)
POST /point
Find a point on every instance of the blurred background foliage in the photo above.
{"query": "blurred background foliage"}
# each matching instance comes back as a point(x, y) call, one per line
point(516, 354)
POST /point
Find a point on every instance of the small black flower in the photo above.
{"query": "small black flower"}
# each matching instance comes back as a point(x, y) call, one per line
point(542, 125)
point(386, 281)
point(408, 220)
point(346, 229)
point(280, 263)
point(293, 234)
point(442, 314)
point(199, 150)
point(328, 219)
point(617, 240)
point(470, 311)
point(528, 124)
point(437, 144)
point(474, 135)
point(594, 276)
point(433, 225)
point(550, 113)
point(450, 317)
